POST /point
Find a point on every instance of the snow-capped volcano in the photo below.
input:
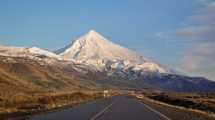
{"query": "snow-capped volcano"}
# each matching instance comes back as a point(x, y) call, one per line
point(94, 49)
point(94, 46)
point(99, 61)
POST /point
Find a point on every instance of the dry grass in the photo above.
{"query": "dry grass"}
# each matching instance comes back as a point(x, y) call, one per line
point(28, 104)
point(175, 112)
point(200, 103)
point(24, 102)
point(27, 86)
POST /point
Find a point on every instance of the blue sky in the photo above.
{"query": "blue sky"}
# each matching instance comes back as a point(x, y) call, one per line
point(177, 33)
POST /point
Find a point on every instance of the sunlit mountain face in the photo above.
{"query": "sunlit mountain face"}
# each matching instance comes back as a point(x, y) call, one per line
point(94, 49)
point(99, 60)
point(94, 59)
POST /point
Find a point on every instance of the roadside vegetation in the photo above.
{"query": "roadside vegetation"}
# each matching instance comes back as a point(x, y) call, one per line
point(20, 105)
point(190, 106)
point(28, 86)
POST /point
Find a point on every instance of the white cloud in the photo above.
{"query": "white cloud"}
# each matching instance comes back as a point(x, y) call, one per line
point(199, 57)
point(205, 2)
point(201, 33)
point(204, 15)
point(200, 27)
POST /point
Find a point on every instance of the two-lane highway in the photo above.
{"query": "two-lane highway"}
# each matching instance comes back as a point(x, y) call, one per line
point(114, 108)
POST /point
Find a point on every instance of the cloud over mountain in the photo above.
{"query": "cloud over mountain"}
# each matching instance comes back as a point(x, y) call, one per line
point(199, 29)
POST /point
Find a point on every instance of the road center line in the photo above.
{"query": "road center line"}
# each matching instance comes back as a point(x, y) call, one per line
point(153, 110)
point(102, 111)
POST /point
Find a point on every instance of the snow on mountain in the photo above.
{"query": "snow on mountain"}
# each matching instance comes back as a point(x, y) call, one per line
point(11, 51)
point(149, 66)
point(30, 52)
point(92, 50)
point(39, 51)
point(93, 56)
point(94, 46)
point(95, 50)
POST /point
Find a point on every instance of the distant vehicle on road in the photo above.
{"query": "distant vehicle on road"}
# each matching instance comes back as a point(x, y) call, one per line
point(106, 93)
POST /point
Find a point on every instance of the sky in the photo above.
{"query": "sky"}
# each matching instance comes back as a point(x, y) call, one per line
point(177, 33)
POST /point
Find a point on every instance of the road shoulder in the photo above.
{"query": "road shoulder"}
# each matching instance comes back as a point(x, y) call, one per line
point(174, 113)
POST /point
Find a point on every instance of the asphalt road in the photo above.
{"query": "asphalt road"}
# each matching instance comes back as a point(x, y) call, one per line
point(114, 108)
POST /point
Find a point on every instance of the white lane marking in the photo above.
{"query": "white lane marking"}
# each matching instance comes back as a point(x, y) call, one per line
point(153, 110)
point(102, 111)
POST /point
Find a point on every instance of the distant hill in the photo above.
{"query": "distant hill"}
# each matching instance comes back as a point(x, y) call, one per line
point(90, 62)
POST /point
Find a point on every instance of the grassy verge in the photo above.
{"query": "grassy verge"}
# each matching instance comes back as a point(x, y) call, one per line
point(23, 105)
point(180, 106)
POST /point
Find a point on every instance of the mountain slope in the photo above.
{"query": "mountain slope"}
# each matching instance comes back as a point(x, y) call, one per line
point(91, 62)
point(113, 64)
point(44, 57)
point(94, 46)
point(26, 52)
point(93, 49)
point(25, 75)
